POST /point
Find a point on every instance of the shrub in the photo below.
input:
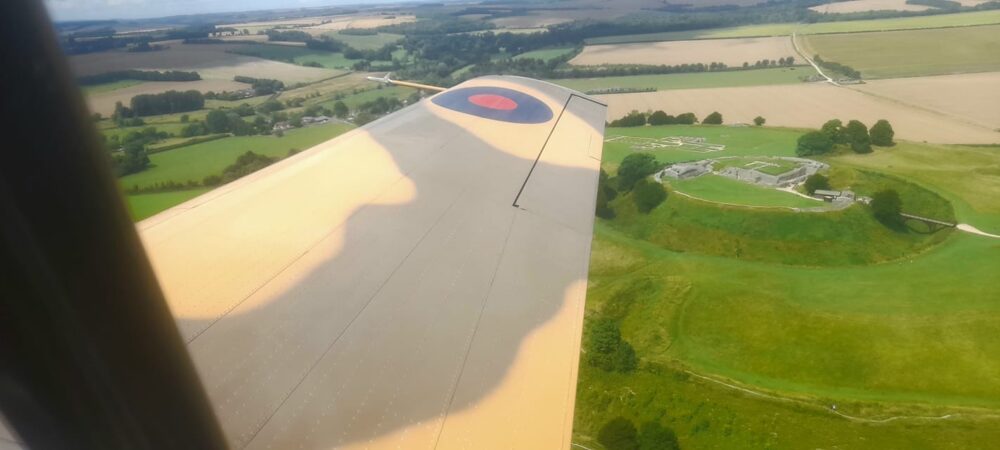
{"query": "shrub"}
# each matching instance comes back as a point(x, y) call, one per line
point(618, 434)
point(632, 119)
point(686, 119)
point(647, 195)
point(660, 118)
point(635, 167)
point(882, 134)
point(653, 436)
point(817, 181)
point(759, 121)
point(606, 349)
point(713, 119)
point(814, 143)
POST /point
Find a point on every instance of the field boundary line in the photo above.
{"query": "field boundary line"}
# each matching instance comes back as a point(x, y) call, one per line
point(795, 45)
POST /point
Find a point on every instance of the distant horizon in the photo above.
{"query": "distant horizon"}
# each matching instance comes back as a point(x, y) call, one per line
point(87, 10)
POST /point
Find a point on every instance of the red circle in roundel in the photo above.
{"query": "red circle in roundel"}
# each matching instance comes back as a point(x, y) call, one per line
point(493, 101)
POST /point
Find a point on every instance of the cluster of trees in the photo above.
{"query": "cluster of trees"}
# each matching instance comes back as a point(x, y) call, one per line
point(145, 136)
point(167, 103)
point(816, 182)
point(261, 86)
point(855, 134)
point(131, 159)
point(847, 71)
point(245, 164)
point(638, 119)
point(620, 434)
point(632, 174)
point(887, 206)
point(141, 75)
point(606, 350)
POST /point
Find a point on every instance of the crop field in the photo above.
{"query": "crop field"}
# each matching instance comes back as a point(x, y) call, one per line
point(346, 83)
point(546, 54)
point(913, 52)
point(804, 106)
point(890, 327)
point(716, 188)
point(195, 162)
point(142, 206)
point(108, 87)
point(326, 23)
point(868, 5)
point(210, 61)
point(296, 55)
point(361, 42)
point(733, 52)
point(731, 78)
point(784, 29)
point(104, 102)
point(971, 97)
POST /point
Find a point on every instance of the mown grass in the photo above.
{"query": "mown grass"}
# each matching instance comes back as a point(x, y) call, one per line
point(195, 162)
point(734, 78)
point(911, 336)
point(142, 206)
point(715, 188)
point(785, 29)
point(913, 52)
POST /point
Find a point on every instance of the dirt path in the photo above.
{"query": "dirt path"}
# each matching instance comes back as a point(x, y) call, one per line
point(795, 45)
point(971, 229)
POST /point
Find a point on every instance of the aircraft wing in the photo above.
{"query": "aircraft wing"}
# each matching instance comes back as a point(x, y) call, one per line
point(416, 283)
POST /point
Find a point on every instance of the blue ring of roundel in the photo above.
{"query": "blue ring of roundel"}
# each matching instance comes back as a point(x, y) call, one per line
point(529, 109)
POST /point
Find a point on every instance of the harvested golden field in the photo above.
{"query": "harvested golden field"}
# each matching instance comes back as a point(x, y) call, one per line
point(211, 61)
point(104, 102)
point(358, 21)
point(805, 106)
point(733, 52)
point(868, 5)
point(972, 98)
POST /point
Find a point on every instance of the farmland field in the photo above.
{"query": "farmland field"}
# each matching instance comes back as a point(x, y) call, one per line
point(806, 106)
point(195, 162)
point(755, 77)
point(784, 29)
point(108, 87)
point(971, 97)
point(867, 5)
point(733, 52)
point(545, 54)
point(210, 61)
point(104, 102)
point(692, 284)
point(913, 52)
point(142, 206)
point(365, 42)
point(297, 55)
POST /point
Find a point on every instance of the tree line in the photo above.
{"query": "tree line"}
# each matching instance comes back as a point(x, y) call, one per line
point(638, 119)
point(165, 103)
point(848, 71)
point(854, 135)
point(141, 75)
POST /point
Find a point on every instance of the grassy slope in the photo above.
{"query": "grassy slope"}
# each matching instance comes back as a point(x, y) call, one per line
point(913, 52)
point(906, 337)
point(759, 77)
point(545, 54)
point(194, 162)
point(784, 29)
point(717, 188)
point(145, 205)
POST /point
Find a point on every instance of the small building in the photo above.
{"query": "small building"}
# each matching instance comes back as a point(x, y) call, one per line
point(282, 126)
point(310, 120)
point(826, 195)
point(683, 171)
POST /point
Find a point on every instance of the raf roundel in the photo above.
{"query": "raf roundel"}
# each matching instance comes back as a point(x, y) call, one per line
point(496, 103)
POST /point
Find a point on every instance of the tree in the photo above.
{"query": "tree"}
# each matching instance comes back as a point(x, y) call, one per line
point(713, 119)
point(632, 119)
point(886, 207)
point(619, 434)
point(814, 143)
point(605, 193)
point(340, 109)
point(857, 135)
point(882, 134)
point(817, 181)
point(132, 159)
point(759, 121)
point(635, 167)
point(834, 129)
point(185, 118)
point(653, 436)
point(217, 121)
point(606, 349)
point(660, 118)
point(686, 119)
point(648, 195)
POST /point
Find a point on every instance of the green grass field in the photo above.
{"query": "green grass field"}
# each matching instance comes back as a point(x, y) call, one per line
point(108, 87)
point(715, 188)
point(372, 42)
point(789, 306)
point(297, 55)
point(735, 78)
point(146, 205)
point(785, 29)
point(195, 162)
point(912, 52)
point(546, 54)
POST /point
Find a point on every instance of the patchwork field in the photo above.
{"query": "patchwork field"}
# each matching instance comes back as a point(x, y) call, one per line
point(785, 29)
point(855, 355)
point(806, 106)
point(868, 5)
point(733, 52)
point(756, 77)
point(211, 61)
point(912, 52)
point(970, 97)
point(104, 102)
